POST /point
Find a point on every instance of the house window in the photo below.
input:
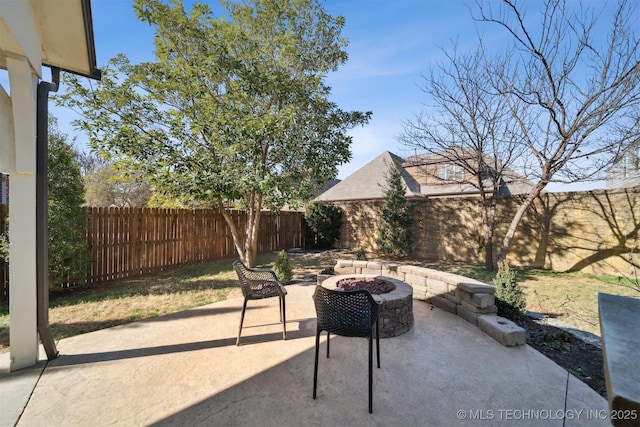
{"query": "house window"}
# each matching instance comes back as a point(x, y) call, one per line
point(450, 172)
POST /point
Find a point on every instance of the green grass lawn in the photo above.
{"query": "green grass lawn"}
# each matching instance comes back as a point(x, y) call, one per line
point(571, 297)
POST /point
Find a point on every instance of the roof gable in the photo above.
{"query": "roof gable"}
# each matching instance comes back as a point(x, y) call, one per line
point(370, 181)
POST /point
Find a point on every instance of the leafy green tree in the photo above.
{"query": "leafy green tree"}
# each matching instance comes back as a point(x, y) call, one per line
point(324, 220)
point(234, 112)
point(68, 250)
point(396, 219)
point(111, 185)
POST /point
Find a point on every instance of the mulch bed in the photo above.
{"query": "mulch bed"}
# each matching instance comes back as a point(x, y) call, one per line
point(580, 358)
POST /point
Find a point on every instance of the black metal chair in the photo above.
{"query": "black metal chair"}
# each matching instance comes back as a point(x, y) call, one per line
point(349, 314)
point(258, 284)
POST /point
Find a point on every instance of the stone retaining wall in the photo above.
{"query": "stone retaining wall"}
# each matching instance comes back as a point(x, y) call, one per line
point(468, 298)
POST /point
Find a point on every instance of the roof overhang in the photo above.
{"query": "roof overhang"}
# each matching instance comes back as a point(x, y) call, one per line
point(52, 33)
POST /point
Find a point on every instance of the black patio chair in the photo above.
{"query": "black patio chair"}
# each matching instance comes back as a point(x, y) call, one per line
point(258, 284)
point(349, 314)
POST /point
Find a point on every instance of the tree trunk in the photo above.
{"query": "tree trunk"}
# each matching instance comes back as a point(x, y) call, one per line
point(253, 225)
point(506, 242)
point(488, 224)
point(234, 230)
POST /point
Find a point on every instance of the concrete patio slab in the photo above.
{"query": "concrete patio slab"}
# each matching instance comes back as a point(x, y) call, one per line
point(185, 369)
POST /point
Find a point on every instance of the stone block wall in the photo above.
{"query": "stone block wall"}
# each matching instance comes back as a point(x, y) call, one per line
point(592, 231)
point(468, 298)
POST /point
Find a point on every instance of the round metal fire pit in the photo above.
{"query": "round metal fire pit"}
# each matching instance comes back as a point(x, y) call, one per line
point(396, 310)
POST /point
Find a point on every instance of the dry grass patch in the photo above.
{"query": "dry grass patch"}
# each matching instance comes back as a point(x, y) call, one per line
point(90, 308)
point(571, 297)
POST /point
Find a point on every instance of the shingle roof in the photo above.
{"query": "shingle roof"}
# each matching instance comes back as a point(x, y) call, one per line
point(370, 181)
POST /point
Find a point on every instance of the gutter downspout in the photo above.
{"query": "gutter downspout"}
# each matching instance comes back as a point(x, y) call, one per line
point(42, 203)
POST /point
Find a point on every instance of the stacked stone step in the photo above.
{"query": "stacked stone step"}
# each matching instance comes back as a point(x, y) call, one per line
point(470, 299)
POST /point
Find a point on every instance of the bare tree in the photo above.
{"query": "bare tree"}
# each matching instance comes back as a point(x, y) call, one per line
point(570, 85)
point(470, 128)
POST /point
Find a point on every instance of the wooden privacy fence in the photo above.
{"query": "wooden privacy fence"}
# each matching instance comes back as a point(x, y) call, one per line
point(125, 242)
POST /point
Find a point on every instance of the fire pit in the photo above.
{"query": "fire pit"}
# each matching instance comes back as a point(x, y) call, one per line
point(374, 286)
point(396, 309)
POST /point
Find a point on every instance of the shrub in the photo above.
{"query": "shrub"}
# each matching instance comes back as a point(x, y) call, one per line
point(361, 255)
point(68, 249)
point(324, 220)
point(282, 268)
point(510, 299)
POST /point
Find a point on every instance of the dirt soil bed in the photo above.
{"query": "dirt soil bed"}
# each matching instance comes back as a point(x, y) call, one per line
point(580, 358)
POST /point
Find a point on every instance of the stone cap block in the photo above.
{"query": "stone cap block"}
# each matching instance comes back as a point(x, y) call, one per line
point(421, 271)
point(344, 263)
point(374, 265)
point(502, 330)
point(407, 269)
point(445, 276)
point(479, 300)
point(475, 287)
point(390, 266)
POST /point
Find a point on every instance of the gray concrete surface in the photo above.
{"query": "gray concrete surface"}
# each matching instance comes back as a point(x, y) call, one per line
point(184, 369)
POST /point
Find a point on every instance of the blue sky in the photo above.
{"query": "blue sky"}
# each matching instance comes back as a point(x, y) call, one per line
point(391, 44)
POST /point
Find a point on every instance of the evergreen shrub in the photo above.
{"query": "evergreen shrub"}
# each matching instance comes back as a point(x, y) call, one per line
point(283, 268)
point(510, 298)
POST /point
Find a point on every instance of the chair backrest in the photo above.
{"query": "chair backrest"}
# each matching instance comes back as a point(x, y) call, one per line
point(346, 313)
point(242, 272)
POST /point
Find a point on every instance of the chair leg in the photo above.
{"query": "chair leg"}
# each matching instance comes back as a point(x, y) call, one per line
point(315, 368)
point(378, 342)
point(244, 307)
point(283, 317)
point(370, 373)
point(328, 342)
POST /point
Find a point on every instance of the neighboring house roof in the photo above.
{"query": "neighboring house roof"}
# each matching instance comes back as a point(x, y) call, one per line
point(511, 181)
point(370, 181)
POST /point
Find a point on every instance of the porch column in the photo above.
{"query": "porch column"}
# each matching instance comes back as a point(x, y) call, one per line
point(23, 329)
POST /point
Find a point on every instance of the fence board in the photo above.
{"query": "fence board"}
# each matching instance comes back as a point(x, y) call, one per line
point(132, 241)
